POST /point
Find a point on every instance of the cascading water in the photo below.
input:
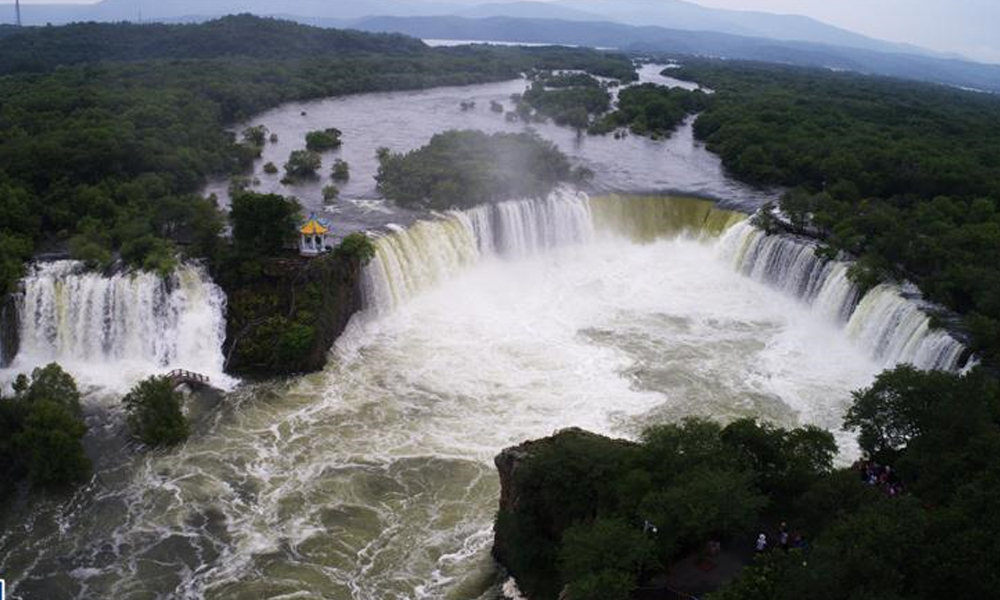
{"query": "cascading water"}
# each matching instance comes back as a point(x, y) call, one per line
point(126, 324)
point(889, 324)
point(898, 331)
point(417, 258)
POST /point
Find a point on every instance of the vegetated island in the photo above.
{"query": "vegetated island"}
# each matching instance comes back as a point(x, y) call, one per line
point(459, 169)
point(583, 102)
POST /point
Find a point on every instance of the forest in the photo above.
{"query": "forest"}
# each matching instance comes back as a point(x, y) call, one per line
point(596, 518)
point(104, 154)
point(903, 176)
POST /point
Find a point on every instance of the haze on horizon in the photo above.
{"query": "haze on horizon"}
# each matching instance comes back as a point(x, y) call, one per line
point(962, 27)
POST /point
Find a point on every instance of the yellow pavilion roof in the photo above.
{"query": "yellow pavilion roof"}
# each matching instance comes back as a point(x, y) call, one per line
point(313, 227)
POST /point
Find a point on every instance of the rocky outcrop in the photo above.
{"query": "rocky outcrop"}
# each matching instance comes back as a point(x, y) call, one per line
point(540, 481)
point(286, 320)
point(8, 329)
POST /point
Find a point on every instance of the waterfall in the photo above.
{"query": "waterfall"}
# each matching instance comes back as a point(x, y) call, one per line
point(101, 323)
point(898, 331)
point(790, 264)
point(644, 219)
point(888, 323)
point(418, 257)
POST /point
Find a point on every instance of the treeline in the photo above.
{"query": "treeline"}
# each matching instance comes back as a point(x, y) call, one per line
point(105, 157)
point(588, 518)
point(458, 169)
point(44, 48)
point(905, 176)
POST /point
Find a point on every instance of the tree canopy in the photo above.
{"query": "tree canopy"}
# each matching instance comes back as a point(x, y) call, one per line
point(41, 431)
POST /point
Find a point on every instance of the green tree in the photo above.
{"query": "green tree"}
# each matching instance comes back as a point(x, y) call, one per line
point(610, 546)
point(256, 135)
point(155, 413)
point(263, 223)
point(43, 429)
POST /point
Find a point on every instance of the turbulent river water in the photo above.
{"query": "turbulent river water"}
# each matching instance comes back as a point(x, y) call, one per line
point(374, 479)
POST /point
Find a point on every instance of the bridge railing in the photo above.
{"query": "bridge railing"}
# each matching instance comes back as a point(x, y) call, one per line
point(185, 375)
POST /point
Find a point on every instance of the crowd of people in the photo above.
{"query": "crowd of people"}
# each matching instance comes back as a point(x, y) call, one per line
point(786, 540)
point(881, 476)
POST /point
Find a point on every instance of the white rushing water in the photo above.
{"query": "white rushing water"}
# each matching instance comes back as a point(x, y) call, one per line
point(112, 330)
point(888, 322)
point(373, 480)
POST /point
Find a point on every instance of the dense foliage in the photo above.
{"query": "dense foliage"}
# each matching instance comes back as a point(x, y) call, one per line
point(586, 503)
point(652, 110)
point(465, 168)
point(904, 176)
point(108, 149)
point(44, 48)
point(263, 224)
point(940, 433)
point(41, 430)
point(155, 413)
point(583, 500)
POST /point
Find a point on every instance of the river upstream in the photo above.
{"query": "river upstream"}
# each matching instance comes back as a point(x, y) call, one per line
point(374, 479)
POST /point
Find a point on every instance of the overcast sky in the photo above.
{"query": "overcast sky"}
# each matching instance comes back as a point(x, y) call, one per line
point(967, 27)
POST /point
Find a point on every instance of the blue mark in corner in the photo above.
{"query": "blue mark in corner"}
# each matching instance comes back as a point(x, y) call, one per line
point(3, 590)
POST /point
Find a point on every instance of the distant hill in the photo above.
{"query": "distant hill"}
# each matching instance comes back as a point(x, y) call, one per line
point(42, 48)
point(671, 41)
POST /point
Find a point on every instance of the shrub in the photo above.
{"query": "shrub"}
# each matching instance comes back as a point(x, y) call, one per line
point(357, 247)
point(327, 139)
point(341, 170)
point(270, 168)
point(302, 163)
point(331, 193)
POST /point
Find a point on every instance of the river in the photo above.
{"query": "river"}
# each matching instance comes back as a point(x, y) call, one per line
point(404, 121)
